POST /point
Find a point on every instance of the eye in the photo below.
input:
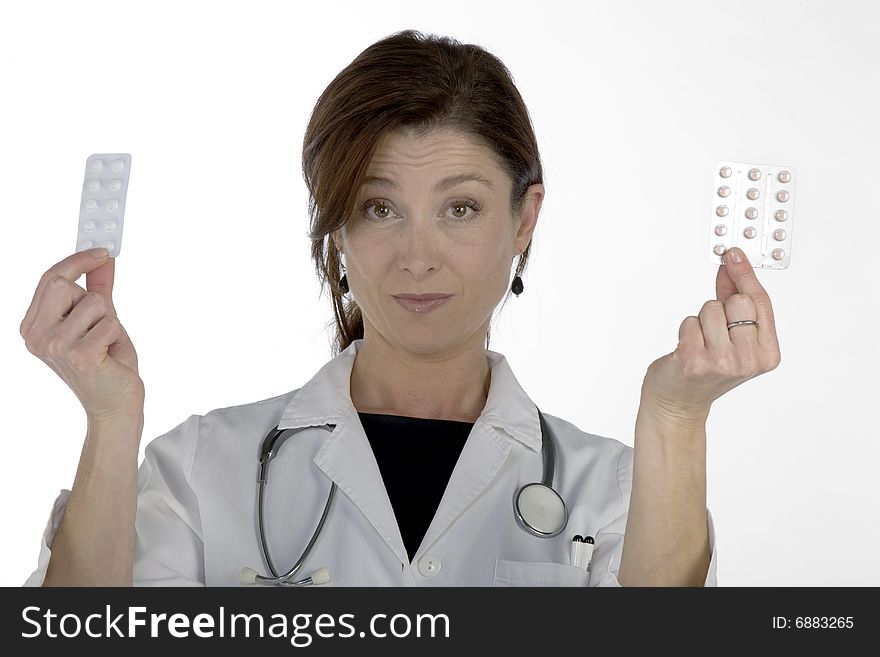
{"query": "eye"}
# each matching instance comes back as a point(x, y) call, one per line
point(467, 203)
point(458, 204)
point(373, 202)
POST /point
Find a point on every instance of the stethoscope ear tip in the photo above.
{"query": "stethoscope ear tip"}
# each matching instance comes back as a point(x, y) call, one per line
point(320, 576)
point(248, 575)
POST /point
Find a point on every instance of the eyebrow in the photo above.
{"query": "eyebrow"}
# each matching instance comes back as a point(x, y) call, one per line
point(446, 183)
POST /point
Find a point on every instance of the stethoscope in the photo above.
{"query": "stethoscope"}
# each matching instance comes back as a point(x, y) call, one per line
point(538, 508)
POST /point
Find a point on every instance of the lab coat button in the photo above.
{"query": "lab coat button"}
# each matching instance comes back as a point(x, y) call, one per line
point(429, 565)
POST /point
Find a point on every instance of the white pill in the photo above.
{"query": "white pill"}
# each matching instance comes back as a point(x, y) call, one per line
point(109, 225)
point(779, 234)
point(781, 215)
point(725, 172)
point(721, 210)
point(719, 250)
point(117, 165)
point(111, 204)
point(753, 193)
point(94, 185)
point(778, 254)
point(754, 174)
point(750, 232)
point(751, 213)
point(114, 185)
point(89, 225)
point(97, 166)
point(782, 196)
point(91, 204)
point(721, 229)
point(724, 191)
point(108, 245)
point(784, 176)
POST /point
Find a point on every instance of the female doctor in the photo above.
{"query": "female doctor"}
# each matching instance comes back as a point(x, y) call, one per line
point(414, 457)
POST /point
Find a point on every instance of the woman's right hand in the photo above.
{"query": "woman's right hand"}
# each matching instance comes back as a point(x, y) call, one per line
point(77, 333)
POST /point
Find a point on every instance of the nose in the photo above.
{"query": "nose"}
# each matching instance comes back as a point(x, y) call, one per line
point(420, 246)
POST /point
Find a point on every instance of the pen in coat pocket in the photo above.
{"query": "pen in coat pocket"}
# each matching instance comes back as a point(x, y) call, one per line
point(582, 551)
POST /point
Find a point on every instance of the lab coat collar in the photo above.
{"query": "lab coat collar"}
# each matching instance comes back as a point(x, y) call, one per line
point(347, 458)
point(326, 399)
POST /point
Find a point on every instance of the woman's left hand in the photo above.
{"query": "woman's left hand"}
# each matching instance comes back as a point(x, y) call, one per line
point(710, 360)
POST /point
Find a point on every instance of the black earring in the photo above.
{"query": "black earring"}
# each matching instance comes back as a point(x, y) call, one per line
point(343, 282)
point(517, 286)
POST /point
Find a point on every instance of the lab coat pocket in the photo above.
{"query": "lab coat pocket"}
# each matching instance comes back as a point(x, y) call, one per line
point(538, 573)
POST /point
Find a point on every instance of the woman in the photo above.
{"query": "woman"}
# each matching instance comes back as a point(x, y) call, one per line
point(426, 185)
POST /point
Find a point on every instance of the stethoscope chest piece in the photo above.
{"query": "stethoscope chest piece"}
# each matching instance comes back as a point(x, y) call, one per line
point(540, 510)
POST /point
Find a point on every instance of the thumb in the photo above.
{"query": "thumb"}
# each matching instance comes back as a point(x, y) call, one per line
point(100, 280)
point(724, 285)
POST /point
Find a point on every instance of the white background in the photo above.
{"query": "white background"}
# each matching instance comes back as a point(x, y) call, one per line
point(633, 104)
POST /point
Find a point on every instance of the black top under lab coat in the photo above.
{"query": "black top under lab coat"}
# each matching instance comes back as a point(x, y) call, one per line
point(416, 457)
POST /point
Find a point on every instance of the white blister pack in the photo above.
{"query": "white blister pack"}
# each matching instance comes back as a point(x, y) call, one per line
point(752, 209)
point(102, 208)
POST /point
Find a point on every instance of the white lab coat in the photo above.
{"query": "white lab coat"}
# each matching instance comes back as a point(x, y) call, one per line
point(197, 525)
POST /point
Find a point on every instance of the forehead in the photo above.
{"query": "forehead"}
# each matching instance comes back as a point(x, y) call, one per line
point(438, 160)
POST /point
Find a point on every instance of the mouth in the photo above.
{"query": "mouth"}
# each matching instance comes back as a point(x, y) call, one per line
point(422, 297)
point(422, 303)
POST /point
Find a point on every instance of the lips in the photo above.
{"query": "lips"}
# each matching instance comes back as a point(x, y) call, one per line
point(422, 297)
point(421, 304)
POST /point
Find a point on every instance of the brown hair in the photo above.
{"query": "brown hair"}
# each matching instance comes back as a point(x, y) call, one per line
point(412, 82)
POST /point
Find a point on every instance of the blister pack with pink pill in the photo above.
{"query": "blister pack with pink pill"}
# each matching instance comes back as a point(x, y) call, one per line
point(102, 208)
point(752, 209)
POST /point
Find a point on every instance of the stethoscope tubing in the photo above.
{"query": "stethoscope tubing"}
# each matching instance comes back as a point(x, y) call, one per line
point(268, 451)
point(285, 578)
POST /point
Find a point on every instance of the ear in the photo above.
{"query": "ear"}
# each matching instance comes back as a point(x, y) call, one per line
point(528, 218)
point(337, 241)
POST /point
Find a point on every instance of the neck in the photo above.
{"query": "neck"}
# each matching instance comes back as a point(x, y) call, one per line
point(452, 385)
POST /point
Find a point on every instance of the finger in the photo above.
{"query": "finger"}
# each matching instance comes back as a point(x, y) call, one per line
point(724, 285)
point(85, 315)
point(746, 281)
point(690, 334)
point(103, 337)
point(59, 299)
point(71, 268)
point(713, 323)
point(737, 308)
point(100, 281)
